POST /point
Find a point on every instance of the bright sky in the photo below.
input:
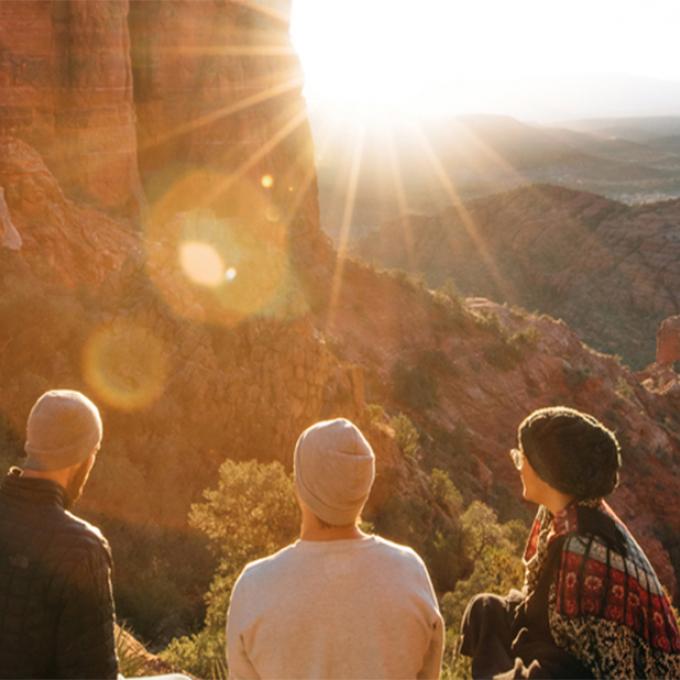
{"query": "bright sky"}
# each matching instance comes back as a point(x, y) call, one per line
point(433, 55)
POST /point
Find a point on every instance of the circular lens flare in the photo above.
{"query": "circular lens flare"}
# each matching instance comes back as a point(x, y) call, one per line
point(126, 365)
point(201, 263)
point(222, 261)
point(267, 181)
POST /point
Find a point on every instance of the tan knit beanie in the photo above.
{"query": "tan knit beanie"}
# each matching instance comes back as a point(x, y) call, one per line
point(334, 470)
point(63, 429)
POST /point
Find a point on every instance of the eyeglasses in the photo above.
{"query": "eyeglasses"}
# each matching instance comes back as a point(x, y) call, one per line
point(517, 458)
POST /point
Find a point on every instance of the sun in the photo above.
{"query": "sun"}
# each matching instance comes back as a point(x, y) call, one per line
point(397, 58)
point(365, 57)
point(453, 57)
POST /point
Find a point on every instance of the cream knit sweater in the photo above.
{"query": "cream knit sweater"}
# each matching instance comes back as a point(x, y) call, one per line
point(357, 608)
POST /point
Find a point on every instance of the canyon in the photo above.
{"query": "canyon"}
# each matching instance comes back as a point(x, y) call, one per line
point(608, 269)
point(161, 249)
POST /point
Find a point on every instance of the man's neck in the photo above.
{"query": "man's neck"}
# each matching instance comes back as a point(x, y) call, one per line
point(317, 533)
point(58, 476)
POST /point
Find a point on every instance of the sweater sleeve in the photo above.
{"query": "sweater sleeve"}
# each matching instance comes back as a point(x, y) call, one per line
point(432, 661)
point(85, 641)
point(240, 666)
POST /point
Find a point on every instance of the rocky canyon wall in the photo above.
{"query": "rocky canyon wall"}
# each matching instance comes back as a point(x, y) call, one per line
point(66, 89)
point(105, 89)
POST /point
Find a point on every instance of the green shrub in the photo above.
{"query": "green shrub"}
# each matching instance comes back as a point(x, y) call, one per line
point(507, 351)
point(430, 525)
point(252, 513)
point(375, 413)
point(414, 386)
point(575, 376)
point(451, 306)
point(501, 355)
point(494, 551)
point(406, 436)
point(132, 661)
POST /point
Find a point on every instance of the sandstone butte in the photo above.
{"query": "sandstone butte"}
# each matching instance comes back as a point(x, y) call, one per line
point(120, 118)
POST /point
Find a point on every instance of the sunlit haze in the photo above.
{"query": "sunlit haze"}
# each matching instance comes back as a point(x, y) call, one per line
point(432, 56)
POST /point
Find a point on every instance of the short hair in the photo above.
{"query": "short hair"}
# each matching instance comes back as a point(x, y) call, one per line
point(572, 451)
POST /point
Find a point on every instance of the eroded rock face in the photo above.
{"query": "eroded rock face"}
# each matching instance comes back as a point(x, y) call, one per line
point(668, 341)
point(217, 92)
point(173, 87)
point(61, 240)
point(9, 236)
point(66, 89)
point(607, 269)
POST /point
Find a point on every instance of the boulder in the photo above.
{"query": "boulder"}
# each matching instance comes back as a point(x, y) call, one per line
point(668, 341)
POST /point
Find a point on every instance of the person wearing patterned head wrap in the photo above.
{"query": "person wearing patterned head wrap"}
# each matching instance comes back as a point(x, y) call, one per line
point(592, 604)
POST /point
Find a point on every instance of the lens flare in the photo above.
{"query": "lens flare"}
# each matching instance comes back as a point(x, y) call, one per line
point(267, 181)
point(221, 258)
point(201, 263)
point(126, 365)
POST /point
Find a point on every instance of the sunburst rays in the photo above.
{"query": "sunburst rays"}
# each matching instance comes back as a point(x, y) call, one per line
point(243, 104)
point(405, 218)
point(346, 224)
point(468, 223)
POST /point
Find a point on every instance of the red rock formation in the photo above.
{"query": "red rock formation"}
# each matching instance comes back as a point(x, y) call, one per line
point(218, 90)
point(668, 341)
point(66, 89)
point(63, 241)
point(611, 271)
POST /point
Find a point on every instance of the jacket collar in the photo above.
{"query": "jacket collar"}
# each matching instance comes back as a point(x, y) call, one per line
point(30, 490)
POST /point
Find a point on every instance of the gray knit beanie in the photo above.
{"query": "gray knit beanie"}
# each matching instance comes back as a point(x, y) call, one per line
point(334, 470)
point(63, 429)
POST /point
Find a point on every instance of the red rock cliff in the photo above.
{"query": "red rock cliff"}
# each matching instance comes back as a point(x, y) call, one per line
point(66, 89)
point(103, 88)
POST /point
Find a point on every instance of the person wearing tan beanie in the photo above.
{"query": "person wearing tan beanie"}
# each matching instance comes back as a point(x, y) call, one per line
point(337, 603)
point(58, 616)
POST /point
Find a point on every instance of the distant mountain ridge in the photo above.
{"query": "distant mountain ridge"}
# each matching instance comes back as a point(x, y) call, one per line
point(635, 129)
point(424, 167)
point(611, 271)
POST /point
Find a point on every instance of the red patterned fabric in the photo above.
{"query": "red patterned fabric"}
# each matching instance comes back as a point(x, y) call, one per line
point(596, 580)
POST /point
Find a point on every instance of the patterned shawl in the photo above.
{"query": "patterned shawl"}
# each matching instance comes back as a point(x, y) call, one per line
point(606, 605)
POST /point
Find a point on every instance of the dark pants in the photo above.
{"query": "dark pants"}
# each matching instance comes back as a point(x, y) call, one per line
point(486, 635)
point(509, 637)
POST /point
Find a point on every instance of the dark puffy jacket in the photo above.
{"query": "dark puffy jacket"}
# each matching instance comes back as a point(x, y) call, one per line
point(56, 603)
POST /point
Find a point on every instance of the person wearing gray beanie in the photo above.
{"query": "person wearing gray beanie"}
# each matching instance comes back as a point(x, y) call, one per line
point(338, 603)
point(334, 471)
point(55, 567)
point(589, 589)
point(64, 427)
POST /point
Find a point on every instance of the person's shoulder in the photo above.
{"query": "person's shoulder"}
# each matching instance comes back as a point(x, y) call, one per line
point(397, 553)
point(82, 535)
point(262, 570)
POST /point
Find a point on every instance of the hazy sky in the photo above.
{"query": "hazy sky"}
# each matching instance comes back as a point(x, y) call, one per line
point(431, 55)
